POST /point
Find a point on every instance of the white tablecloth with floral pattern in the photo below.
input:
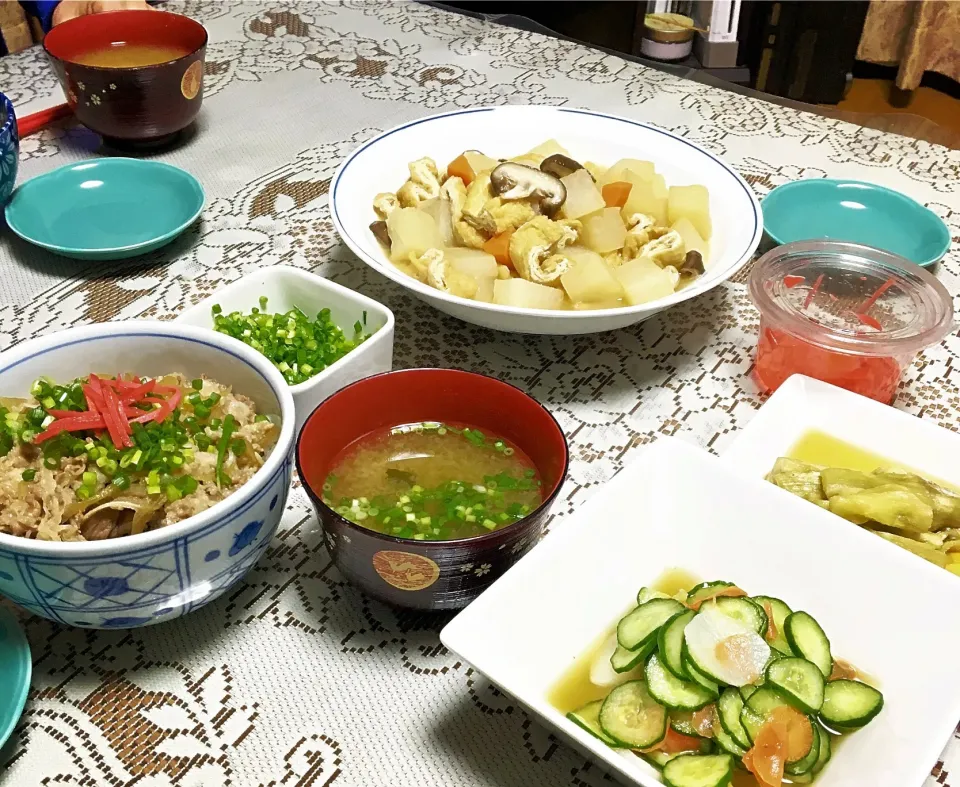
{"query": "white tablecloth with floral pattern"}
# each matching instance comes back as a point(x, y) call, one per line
point(294, 678)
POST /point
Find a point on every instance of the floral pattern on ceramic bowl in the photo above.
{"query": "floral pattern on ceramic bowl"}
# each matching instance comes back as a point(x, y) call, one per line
point(165, 573)
point(9, 148)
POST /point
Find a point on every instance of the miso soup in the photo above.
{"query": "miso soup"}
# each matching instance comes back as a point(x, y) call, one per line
point(432, 481)
point(125, 55)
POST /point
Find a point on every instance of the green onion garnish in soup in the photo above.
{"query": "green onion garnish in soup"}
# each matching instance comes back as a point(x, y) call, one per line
point(432, 482)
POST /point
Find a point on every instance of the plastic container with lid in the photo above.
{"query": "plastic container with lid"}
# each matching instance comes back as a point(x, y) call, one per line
point(847, 314)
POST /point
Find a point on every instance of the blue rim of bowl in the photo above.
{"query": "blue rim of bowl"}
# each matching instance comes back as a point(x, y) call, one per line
point(132, 249)
point(10, 121)
point(19, 696)
point(457, 542)
point(685, 294)
point(805, 182)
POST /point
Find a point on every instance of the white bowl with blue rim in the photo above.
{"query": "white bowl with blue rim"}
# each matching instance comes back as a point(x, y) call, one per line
point(380, 165)
point(165, 573)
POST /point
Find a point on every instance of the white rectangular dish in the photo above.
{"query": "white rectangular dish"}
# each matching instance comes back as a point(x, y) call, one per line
point(286, 288)
point(678, 507)
point(803, 404)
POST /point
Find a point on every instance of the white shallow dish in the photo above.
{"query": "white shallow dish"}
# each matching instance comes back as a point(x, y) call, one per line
point(883, 610)
point(286, 288)
point(803, 404)
point(381, 165)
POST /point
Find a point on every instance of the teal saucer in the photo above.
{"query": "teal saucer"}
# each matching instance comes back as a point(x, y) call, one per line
point(105, 209)
point(849, 210)
point(15, 671)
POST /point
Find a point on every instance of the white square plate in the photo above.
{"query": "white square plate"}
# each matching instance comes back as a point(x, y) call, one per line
point(678, 507)
point(803, 404)
point(285, 288)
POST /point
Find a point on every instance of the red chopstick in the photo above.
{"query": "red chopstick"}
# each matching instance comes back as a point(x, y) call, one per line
point(38, 121)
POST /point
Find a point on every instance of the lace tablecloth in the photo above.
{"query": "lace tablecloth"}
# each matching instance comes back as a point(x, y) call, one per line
point(294, 678)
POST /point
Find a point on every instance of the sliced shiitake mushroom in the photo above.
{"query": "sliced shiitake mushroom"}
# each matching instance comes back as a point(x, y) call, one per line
point(517, 181)
point(691, 268)
point(379, 230)
point(559, 165)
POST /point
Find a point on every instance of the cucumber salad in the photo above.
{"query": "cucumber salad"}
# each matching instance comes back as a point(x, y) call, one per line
point(711, 680)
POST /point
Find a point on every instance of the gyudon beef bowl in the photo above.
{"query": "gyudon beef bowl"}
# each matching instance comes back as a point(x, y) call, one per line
point(143, 470)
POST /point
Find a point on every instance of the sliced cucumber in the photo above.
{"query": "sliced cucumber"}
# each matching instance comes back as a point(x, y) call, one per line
point(744, 611)
point(746, 691)
point(643, 623)
point(648, 594)
point(826, 751)
point(670, 643)
point(800, 681)
point(704, 591)
point(751, 721)
point(850, 704)
point(807, 639)
point(671, 692)
point(764, 700)
point(699, 770)
point(726, 742)
point(682, 722)
point(658, 758)
point(588, 717)
point(624, 660)
point(632, 717)
point(728, 709)
point(698, 677)
point(806, 764)
point(780, 613)
point(756, 709)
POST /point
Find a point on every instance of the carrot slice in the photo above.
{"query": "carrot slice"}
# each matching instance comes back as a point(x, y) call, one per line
point(460, 168)
point(705, 719)
point(499, 247)
point(674, 742)
point(797, 728)
point(616, 194)
point(767, 758)
point(772, 631)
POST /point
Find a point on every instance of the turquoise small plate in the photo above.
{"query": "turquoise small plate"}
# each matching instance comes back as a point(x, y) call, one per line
point(105, 209)
point(15, 671)
point(849, 210)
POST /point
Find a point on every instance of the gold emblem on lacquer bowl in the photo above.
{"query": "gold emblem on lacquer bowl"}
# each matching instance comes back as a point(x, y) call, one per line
point(406, 570)
point(192, 80)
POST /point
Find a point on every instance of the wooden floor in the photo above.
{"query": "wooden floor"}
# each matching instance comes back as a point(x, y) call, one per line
point(930, 114)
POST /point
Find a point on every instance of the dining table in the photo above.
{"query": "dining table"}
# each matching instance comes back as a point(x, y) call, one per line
point(294, 677)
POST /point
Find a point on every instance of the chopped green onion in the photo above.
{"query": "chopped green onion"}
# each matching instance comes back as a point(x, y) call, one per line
point(89, 479)
point(29, 474)
point(298, 346)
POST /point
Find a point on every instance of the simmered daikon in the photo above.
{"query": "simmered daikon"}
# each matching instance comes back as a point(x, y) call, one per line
point(583, 196)
point(644, 281)
point(693, 204)
point(590, 280)
point(412, 231)
point(542, 230)
point(648, 197)
point(524, 294)
point(604, 231)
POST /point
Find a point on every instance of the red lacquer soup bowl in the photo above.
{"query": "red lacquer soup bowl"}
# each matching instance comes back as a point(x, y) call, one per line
point(429, 574)
point(144, 104)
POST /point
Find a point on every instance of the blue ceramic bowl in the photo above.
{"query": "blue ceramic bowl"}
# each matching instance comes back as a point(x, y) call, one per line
point(105, 209)
point(162, 574)
point(9, 148)
point(15, 671)
point(849, 210)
